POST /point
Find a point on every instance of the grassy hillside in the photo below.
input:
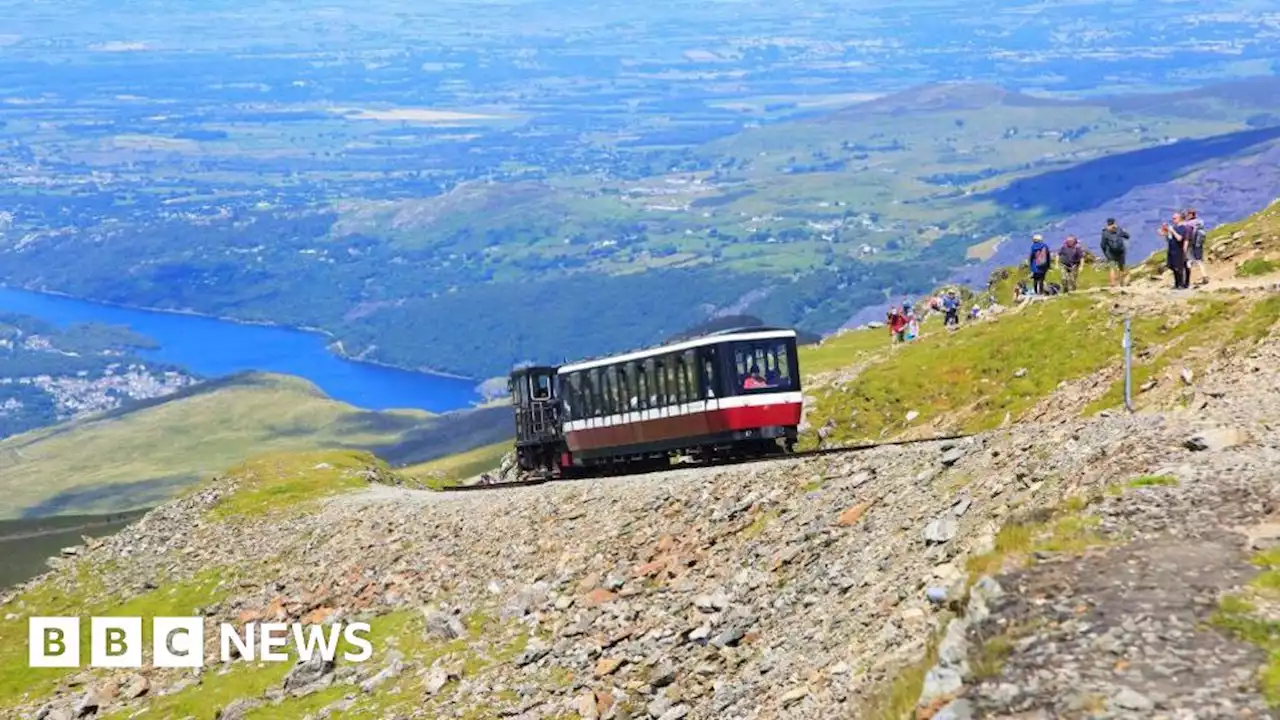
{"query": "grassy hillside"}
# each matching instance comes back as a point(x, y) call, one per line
point(456, 468)
point(1004, 368)
point(138, 456)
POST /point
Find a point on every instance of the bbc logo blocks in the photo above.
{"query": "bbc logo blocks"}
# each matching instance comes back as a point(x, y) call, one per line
point(115, 642)
point(179, 641)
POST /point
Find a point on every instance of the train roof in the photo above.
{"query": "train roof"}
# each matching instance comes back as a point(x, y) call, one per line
point(756, 333)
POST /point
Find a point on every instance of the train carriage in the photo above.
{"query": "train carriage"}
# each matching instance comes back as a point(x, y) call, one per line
point(732, 393)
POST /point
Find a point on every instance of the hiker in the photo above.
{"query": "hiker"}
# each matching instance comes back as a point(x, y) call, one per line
point(1196, 243)
point(912, 329)
point(1040, 260)
point(1071, 257)
point(1176, 251)
point(951, 305)
point(897, 325)
point(975, 313)
point(1114, 245)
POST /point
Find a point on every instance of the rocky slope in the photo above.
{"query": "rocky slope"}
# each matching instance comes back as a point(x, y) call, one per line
point(1074, 560)
point(1069, 567)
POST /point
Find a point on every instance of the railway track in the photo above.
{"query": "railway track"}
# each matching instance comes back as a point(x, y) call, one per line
point(718, 463)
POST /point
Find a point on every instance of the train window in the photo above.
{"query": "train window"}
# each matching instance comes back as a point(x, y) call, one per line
point(541, 387)
point(762, 366)
point(642, 386)
point(709, 374)
point(661, 371)
point(650, 375)
point(598, 393)
point(610, 391)
point(662, 385)
point(688, 376)
point(630, 395)
point(673, 380)
point(572, 397)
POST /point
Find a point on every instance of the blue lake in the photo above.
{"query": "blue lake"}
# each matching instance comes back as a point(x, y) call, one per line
point(211, 348)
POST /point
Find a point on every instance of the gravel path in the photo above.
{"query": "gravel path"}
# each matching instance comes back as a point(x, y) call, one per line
point(1127, 631)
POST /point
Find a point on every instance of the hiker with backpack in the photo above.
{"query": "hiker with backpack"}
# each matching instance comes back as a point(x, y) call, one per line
point(897, 325)
point(951, 305)
point(1196, 245)
point(1040, 261)
point(1071, 257)
point(1114, 245)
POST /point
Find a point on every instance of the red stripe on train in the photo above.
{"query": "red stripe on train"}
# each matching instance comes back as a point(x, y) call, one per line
point(692, 426)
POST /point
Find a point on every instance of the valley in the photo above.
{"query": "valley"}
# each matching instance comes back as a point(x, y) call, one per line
point(798, 175)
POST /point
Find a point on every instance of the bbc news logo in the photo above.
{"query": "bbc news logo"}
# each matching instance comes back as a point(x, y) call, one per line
point(176, 642)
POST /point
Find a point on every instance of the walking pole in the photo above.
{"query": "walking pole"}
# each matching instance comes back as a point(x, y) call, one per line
point(1128, 366)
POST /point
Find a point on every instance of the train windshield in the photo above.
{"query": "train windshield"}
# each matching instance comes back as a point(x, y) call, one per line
point(542, 387)
point(763, 365)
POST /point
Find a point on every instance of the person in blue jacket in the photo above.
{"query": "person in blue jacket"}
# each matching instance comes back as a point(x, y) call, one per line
point(1040, 259)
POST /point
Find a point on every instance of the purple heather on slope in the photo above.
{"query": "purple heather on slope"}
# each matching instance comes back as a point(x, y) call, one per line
point(1223, 194)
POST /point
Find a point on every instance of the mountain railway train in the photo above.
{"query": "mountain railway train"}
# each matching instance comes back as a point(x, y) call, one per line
point(729, 394)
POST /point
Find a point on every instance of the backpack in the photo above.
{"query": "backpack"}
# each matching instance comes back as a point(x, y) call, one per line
point(1112, 245)
point(1198, 238)
point(1042, 257)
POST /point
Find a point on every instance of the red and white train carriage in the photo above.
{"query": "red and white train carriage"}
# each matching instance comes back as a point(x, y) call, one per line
point(732, 393)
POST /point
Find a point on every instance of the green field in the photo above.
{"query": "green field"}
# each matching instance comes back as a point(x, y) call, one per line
point(142, 456)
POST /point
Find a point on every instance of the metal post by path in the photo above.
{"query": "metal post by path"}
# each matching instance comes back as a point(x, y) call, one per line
point(1128, 366)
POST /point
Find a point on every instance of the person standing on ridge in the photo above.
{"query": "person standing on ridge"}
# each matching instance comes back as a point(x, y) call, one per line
point(1196, 244)
point(1039, 260)
point(1071, 257)
point(1176, 251)
point(1114, 239)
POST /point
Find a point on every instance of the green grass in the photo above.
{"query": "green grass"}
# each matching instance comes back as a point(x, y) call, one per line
point(1092, 275)
point(1269, 578)
point(1210, 326)
point(898, 698)
point(1153, 481)
point(216, 690)
point(153, 451)
point(1063, 529)
point(759, 524)
point(1255, 267)
point(452, 469)
point(990, 656)
point(1237, 616)
point(842, 350)
point(969, 376)
point(283, 481)
point(85, 598)
point(1257, 323)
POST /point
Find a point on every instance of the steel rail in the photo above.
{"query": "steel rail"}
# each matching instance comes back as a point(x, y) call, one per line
point(529, 482)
